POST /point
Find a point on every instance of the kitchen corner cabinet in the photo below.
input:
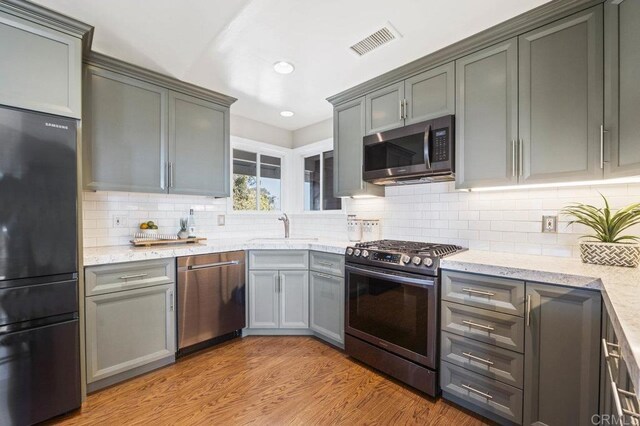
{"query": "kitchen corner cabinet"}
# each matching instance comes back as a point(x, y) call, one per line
point(622, 91)
point(327, 292)
point(562, 358)
point(140, 134)
point(348, 131)
point(427, 95)
point(130, 320)
point(40, 68)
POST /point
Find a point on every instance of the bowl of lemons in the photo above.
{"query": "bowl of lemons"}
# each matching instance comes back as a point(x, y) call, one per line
point(148, 227)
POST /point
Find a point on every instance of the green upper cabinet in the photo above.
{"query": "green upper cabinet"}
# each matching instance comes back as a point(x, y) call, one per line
point(430, 94)
point(622, 91)
point(40, 68)
point(141, 134)
point(561, 99)
point(124, 132)
point(198, 146)
point(487, 116)
point(348, 131)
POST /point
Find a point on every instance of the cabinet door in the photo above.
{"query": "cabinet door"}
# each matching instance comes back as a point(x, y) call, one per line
point(129, 329)
point(487, 116)
point(622, 91)
point(198, 146)
point(561, 99)
point(125, 133)
point(40, 68)
point(348, 130)
point(327, 305)
point(263, 299)
point(384, 108)
point(562, 357)
point(430, 94)
point(294, 299)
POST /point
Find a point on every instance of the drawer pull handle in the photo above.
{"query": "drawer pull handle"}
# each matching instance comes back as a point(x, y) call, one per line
point(477, 358)
point(473, 324)
point(130, 277)
point(470, 389)
point(480, 292)
point(605, 349)
point(323, 263)
point(320, 274)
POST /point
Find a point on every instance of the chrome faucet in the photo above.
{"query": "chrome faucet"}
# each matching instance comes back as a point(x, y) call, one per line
point(285, 219)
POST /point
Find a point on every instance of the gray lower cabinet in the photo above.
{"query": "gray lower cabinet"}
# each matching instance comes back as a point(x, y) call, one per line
point(348, 131)
point(40, 68)
point(279, 299)
point(141, 134)
point(561, 99)
point(198, 146)
point(487, 116)
point(327, 305)
point(125, 125)
point(130, 320)
point(385, 108)
point(622, 91)
point(562, 358)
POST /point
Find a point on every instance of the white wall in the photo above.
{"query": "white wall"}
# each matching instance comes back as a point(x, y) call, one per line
point(313, 133)
point(255, 130)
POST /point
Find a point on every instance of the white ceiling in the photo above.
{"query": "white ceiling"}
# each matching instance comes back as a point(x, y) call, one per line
point(230, 45)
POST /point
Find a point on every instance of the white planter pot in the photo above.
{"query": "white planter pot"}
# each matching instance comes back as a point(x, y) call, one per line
point(612, 254)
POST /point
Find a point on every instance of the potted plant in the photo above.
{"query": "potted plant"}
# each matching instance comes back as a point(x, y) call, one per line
point(606, 246)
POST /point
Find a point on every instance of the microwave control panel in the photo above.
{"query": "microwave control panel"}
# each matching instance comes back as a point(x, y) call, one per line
point(440, 145)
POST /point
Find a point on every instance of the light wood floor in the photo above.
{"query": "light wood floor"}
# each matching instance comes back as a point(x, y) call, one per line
point(265, 381)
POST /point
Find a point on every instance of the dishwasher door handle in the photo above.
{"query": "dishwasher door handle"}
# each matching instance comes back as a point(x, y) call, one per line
point(212, 265)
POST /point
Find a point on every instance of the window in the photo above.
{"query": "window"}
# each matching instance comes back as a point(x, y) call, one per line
point(255, 174)
point(318, 183)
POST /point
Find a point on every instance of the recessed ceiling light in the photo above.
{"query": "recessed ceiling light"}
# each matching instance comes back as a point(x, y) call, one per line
point(283, 67)
point(286, 113)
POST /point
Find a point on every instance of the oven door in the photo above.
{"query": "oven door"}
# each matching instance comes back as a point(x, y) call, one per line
point(393, 310)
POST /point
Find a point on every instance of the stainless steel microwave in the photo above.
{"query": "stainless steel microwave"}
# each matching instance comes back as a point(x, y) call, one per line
point(421, 152)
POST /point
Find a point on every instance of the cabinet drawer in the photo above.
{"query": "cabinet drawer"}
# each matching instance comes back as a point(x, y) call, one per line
point(490, 361)
point(506, 331)
point(484, 393)
point(124, 276)
point(328, 263)
point(279, 259)
point(496, 294)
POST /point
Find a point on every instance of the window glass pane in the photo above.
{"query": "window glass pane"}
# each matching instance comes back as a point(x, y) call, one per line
point(244, 180)
point(329, 202)
point(244, 155)
point(312, 183)
point(270, 176)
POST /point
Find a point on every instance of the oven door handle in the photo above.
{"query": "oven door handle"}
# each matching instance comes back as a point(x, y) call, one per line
point(402, 279)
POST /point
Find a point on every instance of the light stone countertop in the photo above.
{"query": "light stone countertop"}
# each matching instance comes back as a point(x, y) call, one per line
point(620, 288)
point(119, 254)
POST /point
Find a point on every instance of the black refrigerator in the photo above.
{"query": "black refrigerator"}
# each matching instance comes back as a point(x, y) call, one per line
point(39, 338)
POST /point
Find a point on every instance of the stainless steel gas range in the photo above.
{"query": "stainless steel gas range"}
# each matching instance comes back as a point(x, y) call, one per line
point(392, 308)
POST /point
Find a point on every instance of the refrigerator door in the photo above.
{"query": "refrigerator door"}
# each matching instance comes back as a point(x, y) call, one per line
point(38, 195)
point(39, 373)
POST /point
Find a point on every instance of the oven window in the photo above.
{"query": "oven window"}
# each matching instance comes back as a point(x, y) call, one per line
point(401, 152)
point(395, 313)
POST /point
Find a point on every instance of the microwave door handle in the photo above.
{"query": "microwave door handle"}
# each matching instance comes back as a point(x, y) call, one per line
point(427, 146)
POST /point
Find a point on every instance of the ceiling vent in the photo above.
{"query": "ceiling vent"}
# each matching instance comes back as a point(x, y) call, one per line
point(382, 36)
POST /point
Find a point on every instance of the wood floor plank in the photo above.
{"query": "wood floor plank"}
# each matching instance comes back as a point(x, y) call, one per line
point(265, 380)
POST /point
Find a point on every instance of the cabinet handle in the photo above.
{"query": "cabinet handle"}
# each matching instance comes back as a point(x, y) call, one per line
point(477, 358)
point(528, 310)
point(170, 175)
point(469, 388)
point(513, 157)
point(323, 263)
point(130, 277)
point(473, 324)
point(602, 132)
point(401, 109)
point(320, 274)
point(483, 293)
point(406, 109)
point(171, 301)
point(520, 157)
point(278, 283)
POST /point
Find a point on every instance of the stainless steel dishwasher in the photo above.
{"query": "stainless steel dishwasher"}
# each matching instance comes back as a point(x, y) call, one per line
point(211, 299)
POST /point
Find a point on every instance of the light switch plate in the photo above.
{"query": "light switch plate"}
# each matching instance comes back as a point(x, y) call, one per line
point(550, 224)
point(221, 220)
point(119, 222)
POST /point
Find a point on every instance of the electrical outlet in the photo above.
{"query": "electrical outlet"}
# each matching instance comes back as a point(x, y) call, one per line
point(550, 224)
point(119, 222)
point(221, 220)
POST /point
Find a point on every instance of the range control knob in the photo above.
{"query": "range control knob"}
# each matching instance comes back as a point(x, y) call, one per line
point(357, 252)
point(405, 259)
point(365, 253)
point(428, 261)
point(349, 251)
point(416, 260)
